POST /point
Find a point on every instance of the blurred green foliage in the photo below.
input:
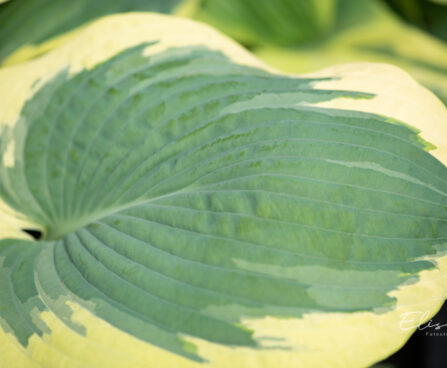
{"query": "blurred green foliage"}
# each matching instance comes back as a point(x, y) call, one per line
point(430, 16)
point(259, 22)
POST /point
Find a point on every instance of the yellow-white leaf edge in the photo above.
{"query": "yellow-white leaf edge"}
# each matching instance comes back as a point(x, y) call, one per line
point(329, 339)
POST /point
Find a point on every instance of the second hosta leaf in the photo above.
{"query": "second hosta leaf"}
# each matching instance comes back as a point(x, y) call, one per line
point(199, 209)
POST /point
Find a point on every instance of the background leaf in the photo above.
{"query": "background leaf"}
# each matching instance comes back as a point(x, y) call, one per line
point(25, 24)
point(255, 23)
point(428, 14)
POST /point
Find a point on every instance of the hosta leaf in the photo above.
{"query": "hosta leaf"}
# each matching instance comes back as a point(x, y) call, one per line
point(201, 209)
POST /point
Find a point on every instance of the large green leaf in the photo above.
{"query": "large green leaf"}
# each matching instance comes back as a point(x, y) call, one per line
point(200, 209)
